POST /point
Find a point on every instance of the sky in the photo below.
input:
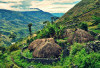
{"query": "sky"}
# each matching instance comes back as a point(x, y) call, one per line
point(52, 6)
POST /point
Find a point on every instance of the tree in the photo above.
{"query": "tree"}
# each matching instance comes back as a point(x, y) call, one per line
point(29, 25)
point(83, 26)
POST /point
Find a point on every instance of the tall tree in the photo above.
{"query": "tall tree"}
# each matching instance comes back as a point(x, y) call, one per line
point(29, 25)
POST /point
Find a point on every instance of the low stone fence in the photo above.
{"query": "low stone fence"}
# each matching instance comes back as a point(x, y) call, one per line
point(41, 60)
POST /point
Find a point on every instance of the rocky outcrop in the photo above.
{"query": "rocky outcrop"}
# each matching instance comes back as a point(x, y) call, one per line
point(78, 35)
point(45, 48)
point(93, 46)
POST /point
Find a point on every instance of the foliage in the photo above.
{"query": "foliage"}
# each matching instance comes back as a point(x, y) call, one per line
point(16, 22)
point(75, 48)
point(83, 26)
point(29, 40)
point(80, 58)
point(51, 30)
point(13, 47)
point(96, 20)
point(27, 53)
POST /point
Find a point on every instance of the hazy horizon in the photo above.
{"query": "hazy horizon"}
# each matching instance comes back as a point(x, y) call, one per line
point(52, 6)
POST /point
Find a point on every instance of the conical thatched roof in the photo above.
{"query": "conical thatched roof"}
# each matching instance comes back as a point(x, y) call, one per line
point(40, 42)
point(78, 35)
point(45, 48)
point(48, 50)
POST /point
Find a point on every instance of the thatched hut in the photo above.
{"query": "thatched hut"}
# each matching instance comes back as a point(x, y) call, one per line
point(39, 42)
point(78, 35)
point(48, 50)
point(45, 48)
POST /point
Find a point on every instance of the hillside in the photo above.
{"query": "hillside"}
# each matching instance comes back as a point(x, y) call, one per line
point(83, 11)
point(17, 21)
point(72, 42)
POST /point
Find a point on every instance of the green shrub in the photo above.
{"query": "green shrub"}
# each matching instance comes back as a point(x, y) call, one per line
point(51, 30)
point(79, 58)
point(30, 40)
point(75, 48)
point(13, 47)
point(83, 26)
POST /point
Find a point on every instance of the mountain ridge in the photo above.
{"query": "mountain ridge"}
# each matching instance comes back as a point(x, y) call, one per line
point(16, 21)
point(91, 7)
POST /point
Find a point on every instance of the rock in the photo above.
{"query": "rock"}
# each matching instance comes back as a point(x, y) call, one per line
point(78, 35)
point(45, 48)
point(93, 46)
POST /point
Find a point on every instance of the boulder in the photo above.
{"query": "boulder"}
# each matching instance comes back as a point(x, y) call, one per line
point(45, 48)
point(78, 35)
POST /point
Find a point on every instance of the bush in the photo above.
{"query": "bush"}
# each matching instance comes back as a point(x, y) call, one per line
point(79, 58)
point(83, 26)
point(51, 30)
point(75, 48)
point(2, 49)
point(30, 40)
point(13, 47)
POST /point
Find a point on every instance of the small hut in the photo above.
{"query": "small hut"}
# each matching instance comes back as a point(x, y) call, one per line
point(78, 35)
point(45, 48)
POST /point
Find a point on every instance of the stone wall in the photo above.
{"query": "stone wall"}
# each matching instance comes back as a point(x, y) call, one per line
point(41, 60)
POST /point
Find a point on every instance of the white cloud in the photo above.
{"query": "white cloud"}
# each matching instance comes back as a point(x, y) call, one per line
point(53, 6)
point(49, 6)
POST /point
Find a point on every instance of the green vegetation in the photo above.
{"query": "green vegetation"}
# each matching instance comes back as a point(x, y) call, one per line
point(51, 30)
point(96, 20)
point(83, 26)
point(76, 55)
point(16, 22)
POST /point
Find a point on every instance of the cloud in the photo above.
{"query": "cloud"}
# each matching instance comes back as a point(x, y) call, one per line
point(53, 6)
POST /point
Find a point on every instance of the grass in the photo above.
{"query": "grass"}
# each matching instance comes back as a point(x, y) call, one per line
point(27, 53)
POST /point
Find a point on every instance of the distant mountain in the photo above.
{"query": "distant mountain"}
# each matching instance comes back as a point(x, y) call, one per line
point(17, 21)
point(83, 11)
point(58, 14)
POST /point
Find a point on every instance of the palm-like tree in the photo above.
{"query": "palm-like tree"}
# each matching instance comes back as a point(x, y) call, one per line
point(29, 25)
